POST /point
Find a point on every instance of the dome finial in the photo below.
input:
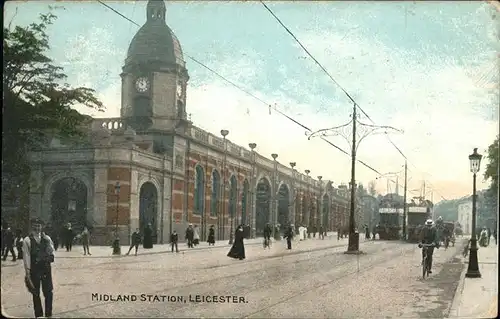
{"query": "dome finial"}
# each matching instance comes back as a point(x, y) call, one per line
point(156, 10)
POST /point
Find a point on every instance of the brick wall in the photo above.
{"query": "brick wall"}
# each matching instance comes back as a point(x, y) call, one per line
point(122, 200)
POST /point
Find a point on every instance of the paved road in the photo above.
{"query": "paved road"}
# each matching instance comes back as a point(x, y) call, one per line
point(314, 280)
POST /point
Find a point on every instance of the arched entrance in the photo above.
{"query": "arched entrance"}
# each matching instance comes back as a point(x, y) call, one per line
point(148, 208)
point(244, 203)
point(298, 209)
point(214, 200)
point(262, 205)
point(233, 200)
point(313, 220)
point(326, 212)
point(69, 204)
point(283, 206)
point(199, 191)
point(305, 208)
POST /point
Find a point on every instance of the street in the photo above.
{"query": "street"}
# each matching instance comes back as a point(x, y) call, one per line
point(316, 279)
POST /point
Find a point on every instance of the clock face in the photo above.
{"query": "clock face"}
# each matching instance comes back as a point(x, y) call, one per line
point(142, 84)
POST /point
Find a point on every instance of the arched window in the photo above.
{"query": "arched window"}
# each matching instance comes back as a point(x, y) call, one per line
point(214, 202)
point(233, 196)
point(244, 201)
point(199, 191)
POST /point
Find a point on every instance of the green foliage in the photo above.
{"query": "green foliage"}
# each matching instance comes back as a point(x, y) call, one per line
point(37, 103)
point(487, 211)
point(448, 209)
point(491, 171)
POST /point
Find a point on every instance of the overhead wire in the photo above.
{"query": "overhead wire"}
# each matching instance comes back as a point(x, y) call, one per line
point(247, 92)
point(333, 79)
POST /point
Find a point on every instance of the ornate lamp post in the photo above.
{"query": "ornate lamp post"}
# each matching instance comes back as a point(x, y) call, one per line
point(294, 196)
point(224, 133)
point(252, 191)
point(116, 243)
point(473, 268)
point(275, 198)
point(308, 209)
point(319, 203)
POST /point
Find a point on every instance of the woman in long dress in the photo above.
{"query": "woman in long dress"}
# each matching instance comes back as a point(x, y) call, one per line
point(148, 237)
point(211, 236)
point(196, 236)
point(238, 249)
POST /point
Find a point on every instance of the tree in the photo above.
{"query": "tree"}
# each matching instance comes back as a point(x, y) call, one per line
point(488, 206)
point(37, 103)
point(491, 171)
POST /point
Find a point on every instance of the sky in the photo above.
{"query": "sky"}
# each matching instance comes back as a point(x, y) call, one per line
point(428, 69)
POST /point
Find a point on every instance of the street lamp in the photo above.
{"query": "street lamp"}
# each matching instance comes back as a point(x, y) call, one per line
point(116, 243)
point(358, 133)
point(308, 209)
point(294, 195)
point(319, 203)
point(473, 268)
point(275, 199)
point(224, 133)
point(252, 191)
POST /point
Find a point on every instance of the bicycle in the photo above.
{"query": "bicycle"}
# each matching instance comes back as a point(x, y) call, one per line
point(425, 263)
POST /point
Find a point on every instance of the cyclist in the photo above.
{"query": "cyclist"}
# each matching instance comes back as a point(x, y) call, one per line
point(428, 236)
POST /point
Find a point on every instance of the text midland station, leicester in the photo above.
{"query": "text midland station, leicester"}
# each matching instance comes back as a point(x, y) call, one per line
point(168, 298)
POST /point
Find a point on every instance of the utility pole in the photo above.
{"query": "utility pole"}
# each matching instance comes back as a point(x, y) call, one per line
point(404, 200)
point(353, 244)
point(353, 141)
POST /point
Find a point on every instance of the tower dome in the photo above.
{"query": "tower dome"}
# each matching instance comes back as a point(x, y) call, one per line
point(155, 42)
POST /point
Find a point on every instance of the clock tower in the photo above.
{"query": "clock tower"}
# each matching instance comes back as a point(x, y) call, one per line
point(154, 77)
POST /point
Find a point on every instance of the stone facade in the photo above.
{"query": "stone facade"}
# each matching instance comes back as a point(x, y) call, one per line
point(170, 173)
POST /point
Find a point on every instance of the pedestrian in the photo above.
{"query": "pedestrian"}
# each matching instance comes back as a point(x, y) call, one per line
point(238, 249)
point(148, 237)
point(135, 240)
point(38, 251)
point(174, 239)
point(314, 231)
point(196, 235)
point(301, 233)
point(211, 236)
point(190, 235)
point(289, 236)
point(321, 232)
point(4, 227)
point(267, 236)
point(85, 237)
point(19, 244)
point(9, 244)
point(69, 236)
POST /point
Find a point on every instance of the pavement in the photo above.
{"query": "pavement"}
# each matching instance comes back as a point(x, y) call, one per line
point(478, 297)
point(314, 280)
point(106, 251)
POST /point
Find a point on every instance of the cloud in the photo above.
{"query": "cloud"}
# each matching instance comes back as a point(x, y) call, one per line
point(90, 58)
point(412, 80)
